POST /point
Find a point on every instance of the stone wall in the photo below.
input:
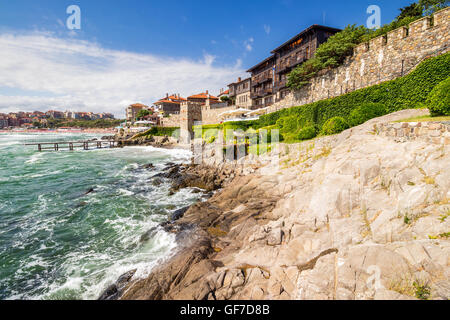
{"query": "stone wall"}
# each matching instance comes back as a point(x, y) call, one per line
point(381, 59)
point(212, 116)
point(208, 116)
point(432, 132)
point(171, 121)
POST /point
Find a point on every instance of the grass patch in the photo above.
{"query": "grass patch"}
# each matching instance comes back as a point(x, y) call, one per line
point(422, 291)
point(409, 286)
point(444, 216)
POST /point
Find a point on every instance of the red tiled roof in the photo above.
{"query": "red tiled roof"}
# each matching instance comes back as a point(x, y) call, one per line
point(166, 101)
point(139, 105)
point(172, 97)
point(202, 95)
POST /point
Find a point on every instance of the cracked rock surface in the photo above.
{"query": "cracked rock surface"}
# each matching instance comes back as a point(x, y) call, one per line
point(351, 216)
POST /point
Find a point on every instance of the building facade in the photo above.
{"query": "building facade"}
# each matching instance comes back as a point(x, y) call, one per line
point(269, 77)
point(240, 93)
point(170, 104)
point(202, 97)
point(132, 111)
point(262, 83)
point(296, 51)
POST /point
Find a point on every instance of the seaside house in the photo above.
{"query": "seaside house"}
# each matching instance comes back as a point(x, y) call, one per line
point(240, 92)
point(201, 98)
point(170, 104)
point(132, 111)
point(269, 77)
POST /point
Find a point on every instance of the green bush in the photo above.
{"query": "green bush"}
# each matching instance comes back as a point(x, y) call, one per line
point(264, 135)
point(307, 133)
point(161, 131)
point(439, 99)
point(334, 125)
point(366, 112)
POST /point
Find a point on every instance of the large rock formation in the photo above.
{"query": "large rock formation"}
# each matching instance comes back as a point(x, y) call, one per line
point(351, 216)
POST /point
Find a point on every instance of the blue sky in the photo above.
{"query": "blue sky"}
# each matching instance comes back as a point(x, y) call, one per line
point(158, 38)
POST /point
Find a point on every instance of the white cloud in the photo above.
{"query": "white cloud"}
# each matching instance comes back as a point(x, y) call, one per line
point(50, 72)
point(248, 44)
point(267, 29)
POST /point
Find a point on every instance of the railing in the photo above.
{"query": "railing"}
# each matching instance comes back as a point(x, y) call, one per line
point(72, 145)
point(262, 77)
point(261, 93)
point(280, 84)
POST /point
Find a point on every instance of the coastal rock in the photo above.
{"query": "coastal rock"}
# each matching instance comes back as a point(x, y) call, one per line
point(114, 291)
point(178, 214)
point(350, 216)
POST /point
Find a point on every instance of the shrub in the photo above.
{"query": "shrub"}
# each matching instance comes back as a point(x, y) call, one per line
point(439, 99)
point(307, 133)
point(161, 131)
point(334, 125)
point(366, 112)
point(264, 135)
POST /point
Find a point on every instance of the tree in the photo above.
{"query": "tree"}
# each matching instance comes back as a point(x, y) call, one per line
point(430, 6)
point(142, 113)
point(413, 10)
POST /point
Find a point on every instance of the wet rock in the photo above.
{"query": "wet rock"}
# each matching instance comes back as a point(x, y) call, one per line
point(157, 182)
point(89, 191)
point(114, 291)
point(178, 214)
point(148, 235)
point(148, 166)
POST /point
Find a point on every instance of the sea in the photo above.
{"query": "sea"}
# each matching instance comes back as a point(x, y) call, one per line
point(71, 222)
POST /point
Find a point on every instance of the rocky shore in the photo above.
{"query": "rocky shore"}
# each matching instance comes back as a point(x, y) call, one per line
point(351, 216)
point(128, 139)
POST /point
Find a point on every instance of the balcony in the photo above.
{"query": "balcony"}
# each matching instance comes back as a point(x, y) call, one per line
point(291, 62)
point(262, 77)
point(283, 66)
point(280, 84)
point(294, 61)
point(261, 93)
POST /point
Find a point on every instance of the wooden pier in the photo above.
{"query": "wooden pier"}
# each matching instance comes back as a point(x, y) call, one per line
point(74, 145)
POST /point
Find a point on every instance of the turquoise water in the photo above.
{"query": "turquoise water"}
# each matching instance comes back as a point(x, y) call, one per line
point(56, 242)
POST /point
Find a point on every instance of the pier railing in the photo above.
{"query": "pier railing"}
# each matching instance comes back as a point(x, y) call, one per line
point(74, 145)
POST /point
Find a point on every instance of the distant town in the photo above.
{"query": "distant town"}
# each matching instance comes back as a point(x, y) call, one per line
point(37, 119)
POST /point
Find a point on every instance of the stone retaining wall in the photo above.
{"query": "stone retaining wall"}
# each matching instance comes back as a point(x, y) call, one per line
point(432, 132)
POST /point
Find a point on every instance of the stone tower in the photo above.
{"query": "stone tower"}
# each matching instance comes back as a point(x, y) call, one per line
point(190, 113)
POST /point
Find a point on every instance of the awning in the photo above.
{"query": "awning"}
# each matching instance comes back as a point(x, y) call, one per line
point(257, 112)
point(145, 122)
